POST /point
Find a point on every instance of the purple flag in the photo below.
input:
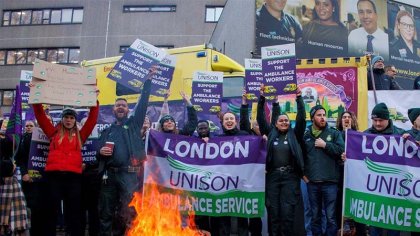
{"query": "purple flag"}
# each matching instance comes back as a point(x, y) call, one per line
point(14, 126)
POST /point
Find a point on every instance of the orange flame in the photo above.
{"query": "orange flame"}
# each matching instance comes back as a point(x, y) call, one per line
point(158, 214)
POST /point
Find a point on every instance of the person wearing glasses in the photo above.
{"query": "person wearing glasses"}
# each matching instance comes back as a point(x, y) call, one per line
point(405, 46)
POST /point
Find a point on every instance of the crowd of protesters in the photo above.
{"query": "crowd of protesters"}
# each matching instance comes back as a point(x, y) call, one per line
point(302, 161)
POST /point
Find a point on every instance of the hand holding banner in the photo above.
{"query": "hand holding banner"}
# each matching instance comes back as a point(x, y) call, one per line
point(63, 85)
point(133, 67)
point(207, 91)
point(279, 69)
point(385, 191)
point(253, 78)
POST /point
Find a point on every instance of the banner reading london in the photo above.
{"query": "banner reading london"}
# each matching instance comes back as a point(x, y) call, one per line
point(223, 177)
point(385, 191)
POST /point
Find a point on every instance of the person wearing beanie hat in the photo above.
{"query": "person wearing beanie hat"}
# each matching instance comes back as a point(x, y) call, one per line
point(414, 116)
point(380, 111)
point(381, 122)
point(314, 110)
point(167, 123)
point(323, 146)
point(121, 155)
point(382, 80)
point(377, 59)
point(63, 170)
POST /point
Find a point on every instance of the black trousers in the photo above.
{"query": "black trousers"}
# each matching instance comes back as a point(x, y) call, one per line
point(283, 197)
point(66, 186)
point(115, 194)
point(35, 193)
point(91, 185)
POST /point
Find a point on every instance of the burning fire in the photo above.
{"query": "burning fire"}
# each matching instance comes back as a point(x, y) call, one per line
point(158, 214)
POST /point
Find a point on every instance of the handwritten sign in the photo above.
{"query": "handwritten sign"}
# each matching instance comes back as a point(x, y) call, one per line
point(63, 85)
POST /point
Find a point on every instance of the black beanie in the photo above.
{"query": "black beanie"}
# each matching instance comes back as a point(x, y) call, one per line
point(413, 113)
point(380, 111)
point(314, 109)
point(165, 118)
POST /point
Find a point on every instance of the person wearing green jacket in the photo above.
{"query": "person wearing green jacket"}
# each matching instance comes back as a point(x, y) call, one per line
point(322, 147)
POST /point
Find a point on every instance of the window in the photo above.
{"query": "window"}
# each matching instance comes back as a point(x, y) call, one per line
point(78, 16)
point(123, 49)
point(8, 96)
point(52, 55)
point(42, 16)
point(150, 8)
point(26, 56)
point(55, 17)
point(21, 56)
point(6, 18)
point(2, 57)
point(26, 17)
point(37, 17)
point(213, 13)
point(74, 55)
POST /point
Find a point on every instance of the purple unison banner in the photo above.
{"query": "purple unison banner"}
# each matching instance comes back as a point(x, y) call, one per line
point(225, 176)
point(253, 78)
point(279, 69)
point(207, 91)
point(133, 67)
point(382, 181)
point(161, 81)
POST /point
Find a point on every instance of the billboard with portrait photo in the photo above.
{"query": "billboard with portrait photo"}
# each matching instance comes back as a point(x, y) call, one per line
point(336, 28)
point(404, 45)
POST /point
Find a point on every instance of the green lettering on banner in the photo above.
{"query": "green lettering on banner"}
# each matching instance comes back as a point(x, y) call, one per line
point(383, 212)
point(232, 203)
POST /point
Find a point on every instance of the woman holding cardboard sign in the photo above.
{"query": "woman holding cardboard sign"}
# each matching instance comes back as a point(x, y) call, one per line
point(63, 170)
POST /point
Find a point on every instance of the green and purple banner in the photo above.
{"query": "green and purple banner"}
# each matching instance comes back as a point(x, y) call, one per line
point(382, 181)
point(223, 177)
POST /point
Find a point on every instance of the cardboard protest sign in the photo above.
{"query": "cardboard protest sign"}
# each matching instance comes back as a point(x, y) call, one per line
point(63, 85)
point(161, 81)
point(207, 91)
point(133, 67)
point(253, 78)
point(279, 69)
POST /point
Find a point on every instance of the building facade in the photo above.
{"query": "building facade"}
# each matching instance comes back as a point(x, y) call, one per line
point(70, 31)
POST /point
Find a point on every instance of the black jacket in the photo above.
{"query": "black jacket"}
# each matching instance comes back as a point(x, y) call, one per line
point(414, 133)
point(191, 125)
point(382, 81)
point(293, 134)
point(22, 155)
point(6, 163)
point(131, 132)
point(391, 129)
